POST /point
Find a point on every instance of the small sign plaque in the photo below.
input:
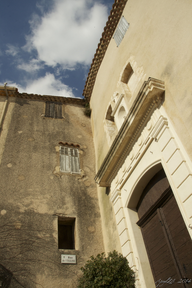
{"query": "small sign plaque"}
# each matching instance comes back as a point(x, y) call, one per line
point(69, 259)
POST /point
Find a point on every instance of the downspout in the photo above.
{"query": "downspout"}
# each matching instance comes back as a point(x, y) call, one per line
point(4, 108)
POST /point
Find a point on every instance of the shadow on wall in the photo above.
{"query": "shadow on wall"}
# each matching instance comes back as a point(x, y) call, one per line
point(26, 251)
point(7, 279)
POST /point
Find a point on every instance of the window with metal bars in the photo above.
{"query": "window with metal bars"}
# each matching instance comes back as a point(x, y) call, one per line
point(53, 110)
point(69, 160)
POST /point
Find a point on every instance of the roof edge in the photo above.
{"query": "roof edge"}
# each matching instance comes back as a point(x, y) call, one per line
point(113, 19)
point(13, 92)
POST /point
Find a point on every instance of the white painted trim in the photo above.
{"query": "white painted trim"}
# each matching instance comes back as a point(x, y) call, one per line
point(158, 146)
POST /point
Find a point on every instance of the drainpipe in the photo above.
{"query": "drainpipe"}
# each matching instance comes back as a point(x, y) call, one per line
point(4, 108)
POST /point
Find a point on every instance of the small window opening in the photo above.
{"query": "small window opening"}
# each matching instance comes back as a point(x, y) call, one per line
point(127, 73)
point(69, 160)
point(53, 110)
point(66, 230)
point(108, 115)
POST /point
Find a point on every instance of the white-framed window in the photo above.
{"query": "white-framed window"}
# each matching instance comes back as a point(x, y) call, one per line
point(69, 160)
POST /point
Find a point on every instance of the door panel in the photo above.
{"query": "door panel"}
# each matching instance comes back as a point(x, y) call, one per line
point(160, 258)
point(167, 241)
point(180, 237)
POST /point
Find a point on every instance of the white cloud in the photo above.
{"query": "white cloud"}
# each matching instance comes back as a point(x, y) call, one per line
point(69, 34)
point(32, 66)
point(46, 85)
point(12, 50)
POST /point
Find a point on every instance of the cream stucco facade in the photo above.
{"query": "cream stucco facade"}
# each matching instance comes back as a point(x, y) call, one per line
point(141, 119)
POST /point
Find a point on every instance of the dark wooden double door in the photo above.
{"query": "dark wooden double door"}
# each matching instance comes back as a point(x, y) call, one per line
point(165, 235)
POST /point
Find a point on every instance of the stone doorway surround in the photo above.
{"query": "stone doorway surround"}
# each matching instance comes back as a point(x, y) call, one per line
point(145, 144)
point(160, 148)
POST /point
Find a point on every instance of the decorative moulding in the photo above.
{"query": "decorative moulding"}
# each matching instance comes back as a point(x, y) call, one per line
point(69, 144)
point(149, 97)
point(115, 195)
point(117, 104)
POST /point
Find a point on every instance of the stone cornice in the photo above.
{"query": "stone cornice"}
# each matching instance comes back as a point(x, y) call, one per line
point(149, 97)
point(13, 92)
point(109, 30)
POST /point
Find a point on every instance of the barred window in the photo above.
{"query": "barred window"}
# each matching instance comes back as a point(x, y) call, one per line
point(53, 110)
point(69, 160)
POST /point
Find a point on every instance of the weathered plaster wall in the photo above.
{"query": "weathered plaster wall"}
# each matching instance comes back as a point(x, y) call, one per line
point(109, 227)
point(158, 42)
point(158, 39)
point(34, 193)
point(2, 103)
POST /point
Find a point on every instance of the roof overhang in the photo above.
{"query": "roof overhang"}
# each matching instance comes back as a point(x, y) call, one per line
point(13, 92)
point(150, 96)
point(113, 20)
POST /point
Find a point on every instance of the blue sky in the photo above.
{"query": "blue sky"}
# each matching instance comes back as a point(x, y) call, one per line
point(47, 46)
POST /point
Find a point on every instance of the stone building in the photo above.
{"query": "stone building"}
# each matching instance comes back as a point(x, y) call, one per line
point(47, 190)
point(139, 88)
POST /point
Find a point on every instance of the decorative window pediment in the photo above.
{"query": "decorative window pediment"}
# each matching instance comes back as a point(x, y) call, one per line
point(115, 117)
point(120, 111)
point(149, 97)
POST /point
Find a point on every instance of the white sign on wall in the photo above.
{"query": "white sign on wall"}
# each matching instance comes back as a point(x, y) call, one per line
point(69, 259)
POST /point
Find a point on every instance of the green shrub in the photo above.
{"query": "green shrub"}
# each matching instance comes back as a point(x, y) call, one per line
point(112, 271)
point(87, 110)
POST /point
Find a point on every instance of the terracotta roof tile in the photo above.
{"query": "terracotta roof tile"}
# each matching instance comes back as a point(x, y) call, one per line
point(13, 92)
point(109, 29)
point(69, 144)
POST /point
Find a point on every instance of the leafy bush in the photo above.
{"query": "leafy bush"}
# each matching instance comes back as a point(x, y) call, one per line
point(87, 110)
point(112, 271)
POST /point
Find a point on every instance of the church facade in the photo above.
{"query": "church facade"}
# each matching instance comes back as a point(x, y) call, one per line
point(139, 88)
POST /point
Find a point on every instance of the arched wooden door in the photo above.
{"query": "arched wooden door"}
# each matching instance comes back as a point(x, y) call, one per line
point(167, 241)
